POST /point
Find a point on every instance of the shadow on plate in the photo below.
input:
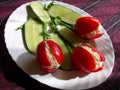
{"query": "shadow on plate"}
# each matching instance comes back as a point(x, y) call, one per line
point(29, 64)
point(67, 75)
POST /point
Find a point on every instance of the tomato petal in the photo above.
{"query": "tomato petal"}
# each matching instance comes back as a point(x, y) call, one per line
point(86, 25)
point(83, 60)
point(102, 58)
point(97, 35)
point(99, 69)
point(56, 50)
point(49, 55)
point(42, 55)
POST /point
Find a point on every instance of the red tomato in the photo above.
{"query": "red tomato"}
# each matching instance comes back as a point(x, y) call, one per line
point(49, 55)
point(88, 27)
point(84, 59)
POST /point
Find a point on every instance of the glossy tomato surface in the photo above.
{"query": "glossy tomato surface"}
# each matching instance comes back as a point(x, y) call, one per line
point(88, 25)
point(49, 55)
point(84, 60)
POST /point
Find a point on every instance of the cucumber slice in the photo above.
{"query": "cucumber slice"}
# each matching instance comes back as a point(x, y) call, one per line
point(66, 64)
point(64, 13)
point(32, 35)
point(70, 36)
point(39, 10)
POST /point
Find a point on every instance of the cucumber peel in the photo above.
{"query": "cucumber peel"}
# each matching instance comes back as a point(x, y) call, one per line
point(40, 12)
point(70, 36)
point(32, 35)
point(64, 13)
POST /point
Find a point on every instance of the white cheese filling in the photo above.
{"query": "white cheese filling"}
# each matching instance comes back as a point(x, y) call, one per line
point(95, 55)
point(52, 59)
point(98, 30)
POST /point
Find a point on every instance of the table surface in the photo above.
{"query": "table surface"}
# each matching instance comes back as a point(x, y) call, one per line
point(107, 11)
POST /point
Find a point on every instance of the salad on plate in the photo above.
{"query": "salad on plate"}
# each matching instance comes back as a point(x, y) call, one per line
point(62, 45)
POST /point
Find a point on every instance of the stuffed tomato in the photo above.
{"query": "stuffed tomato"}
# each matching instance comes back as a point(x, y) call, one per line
point(88, 27)
point(49, 55)
point(87, 58)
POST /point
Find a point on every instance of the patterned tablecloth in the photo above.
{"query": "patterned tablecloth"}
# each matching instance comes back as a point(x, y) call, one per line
point(107, 11)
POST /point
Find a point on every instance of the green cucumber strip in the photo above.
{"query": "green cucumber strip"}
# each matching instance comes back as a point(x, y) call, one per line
point(32, 35)
point(58, 21)
point(45, 32)
point(70, 36)
point(30, 13)
point(64, 13)
point(66, 64)
point(39, 10)
point(49, 5)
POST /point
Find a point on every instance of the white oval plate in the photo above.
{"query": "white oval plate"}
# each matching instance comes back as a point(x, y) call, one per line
point(59, 79)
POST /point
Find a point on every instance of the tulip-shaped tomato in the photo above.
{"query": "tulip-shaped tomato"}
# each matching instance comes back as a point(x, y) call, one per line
point(49, 55)
point(87, 58)
point(88, 27)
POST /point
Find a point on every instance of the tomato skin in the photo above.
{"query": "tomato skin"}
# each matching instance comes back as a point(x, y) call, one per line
point(102, 58)
point(42, 55)
point(97, 35)
point(86, 25)
point(83, 60)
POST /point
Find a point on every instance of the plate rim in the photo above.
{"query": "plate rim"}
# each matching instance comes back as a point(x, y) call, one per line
point(66, 4)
